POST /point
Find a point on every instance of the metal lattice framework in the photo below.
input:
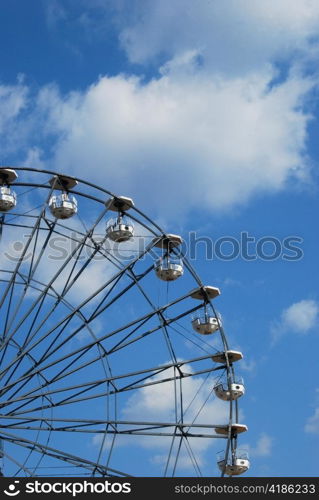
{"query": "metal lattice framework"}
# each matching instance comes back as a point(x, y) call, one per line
point(101, 372)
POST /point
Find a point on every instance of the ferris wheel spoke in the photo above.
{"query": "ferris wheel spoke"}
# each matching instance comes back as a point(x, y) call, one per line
point(32, 360)
point(36, 362)
point(59, 454)
point(131, 274)
point(82, 352)
point(68, 283)
point(107, 254)
point(102, 308)
point(55, 277)
point(126, 432)
point(169, 455)
point(151, 372)
point(18, 360)
point(89, 245)
point(161, 318)
point(116, 427)
point(177, 454)
point(129, 266)
point(168, 340)
point(93, 245)
point(27, 380)
point(130, 387)
point(190, 339)
point(70, 315)
point(16, 462)
point(122, 345)
point(32, 270)
point(27, 244)
point(192, 456)
point(122, 342)
point(100, 339)
point(59, 376)
point(111, 448)
point(5, 325)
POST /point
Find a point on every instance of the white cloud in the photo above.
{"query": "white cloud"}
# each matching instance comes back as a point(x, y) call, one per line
point(55, 13)
point(13, 101)
point(196, 141)
point(233, 36)
point(232, 282)
point(262, 448)
point(312, 424)
point(300, 318)
point(248, 365)
point(198, 136)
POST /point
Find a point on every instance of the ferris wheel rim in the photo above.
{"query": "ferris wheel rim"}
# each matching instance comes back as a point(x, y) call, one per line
point(228, 364)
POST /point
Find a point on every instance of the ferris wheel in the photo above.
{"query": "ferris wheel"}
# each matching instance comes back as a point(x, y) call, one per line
point(113, 358)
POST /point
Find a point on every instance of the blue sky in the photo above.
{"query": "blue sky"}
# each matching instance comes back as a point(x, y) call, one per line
point(206, 113)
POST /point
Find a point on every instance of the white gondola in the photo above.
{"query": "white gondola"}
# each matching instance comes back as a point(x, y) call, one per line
point(63, 206)
point(8, 198)
point(206, 322)
point(168, 269)
point(235, 391)
point(235, 465)
point(205, 326)
point(119, 230)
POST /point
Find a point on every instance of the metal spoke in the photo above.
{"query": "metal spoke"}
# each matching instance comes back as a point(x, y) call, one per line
point(59, 454)
point(13, 460)
point(104, 337)
point(72, 400)
point(55, 277)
